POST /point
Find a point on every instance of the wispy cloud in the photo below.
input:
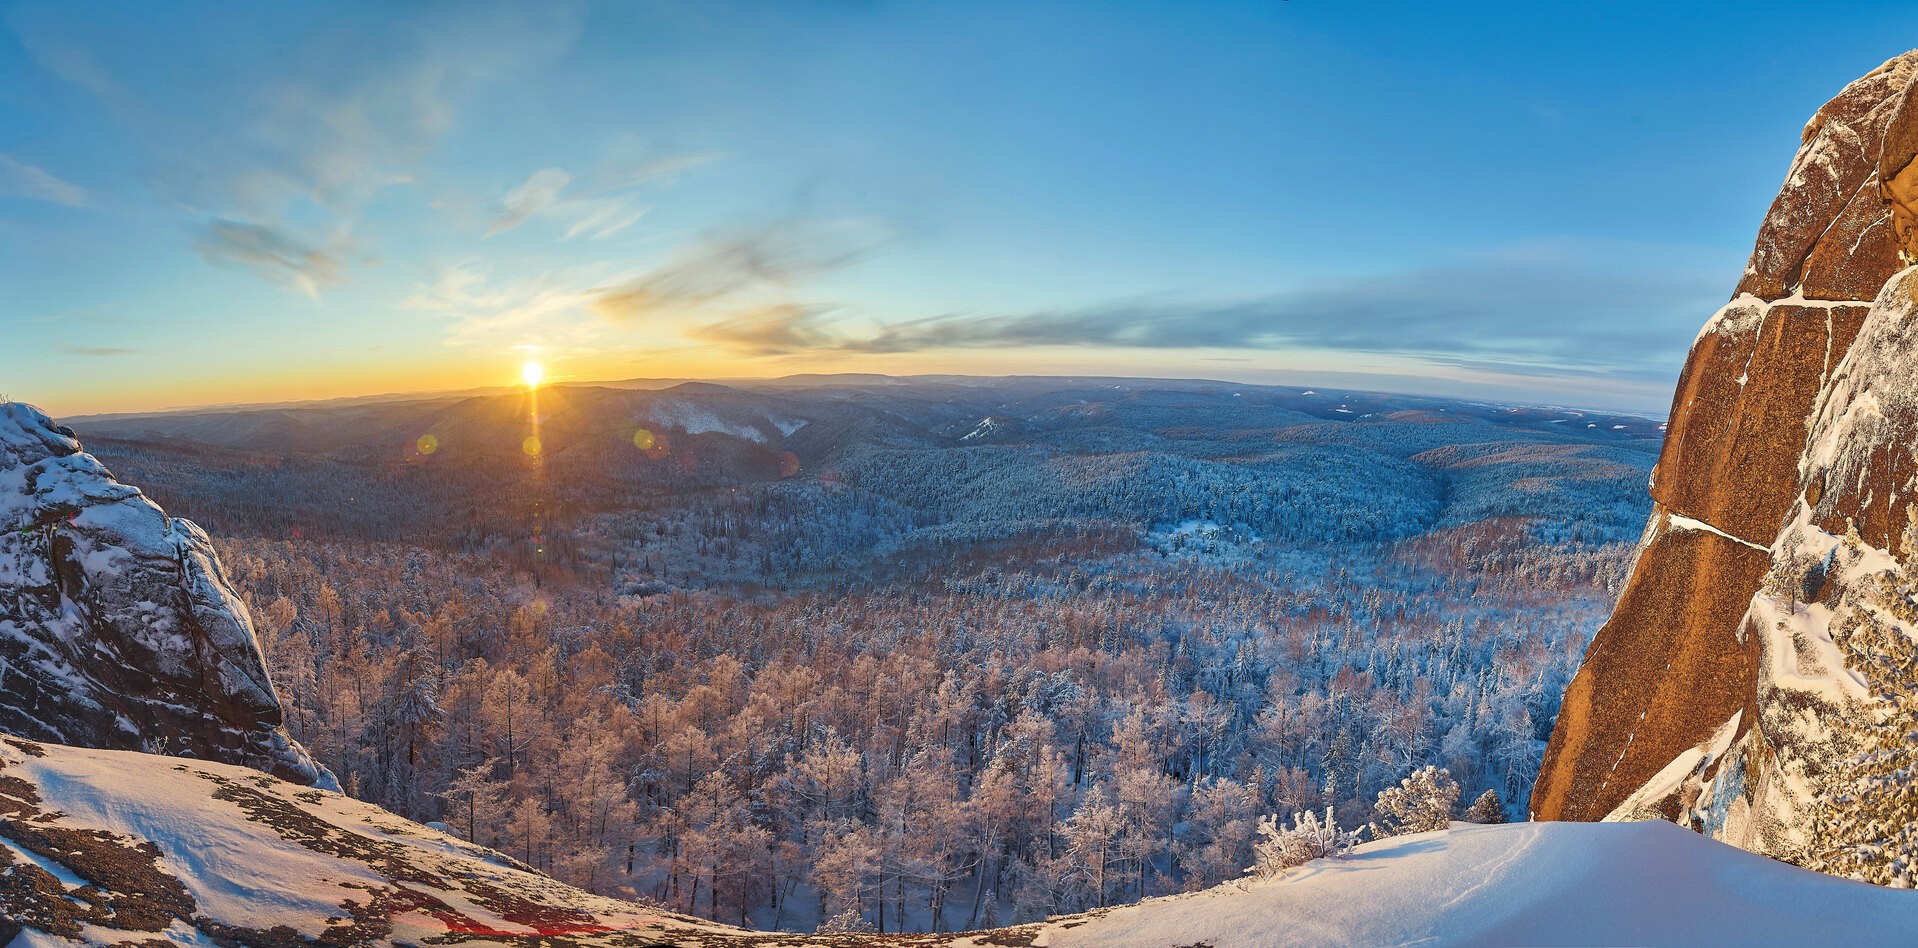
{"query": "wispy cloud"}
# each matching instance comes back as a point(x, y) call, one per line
point(1538, 312)
point(269, 254)
point(752, 270)
point(781, 329)
point(75, 65)
point(738, 288)
point(596, 209)
point(601, 218)
point(540, 196)
point(537, 194)
point(548, 308)
point(98, 351)
point(336, 128)
point(657, 168)
point(310, 140)
point(22, 180)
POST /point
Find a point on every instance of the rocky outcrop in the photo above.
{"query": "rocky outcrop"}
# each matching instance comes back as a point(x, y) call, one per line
point(1680, 669)
point(107, 847)
point(118, 629)
point(1817, 767)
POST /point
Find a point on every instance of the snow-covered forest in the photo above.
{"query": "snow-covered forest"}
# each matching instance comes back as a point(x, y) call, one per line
point(777, 658)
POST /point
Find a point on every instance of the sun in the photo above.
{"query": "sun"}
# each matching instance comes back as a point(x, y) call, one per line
point(532, 373)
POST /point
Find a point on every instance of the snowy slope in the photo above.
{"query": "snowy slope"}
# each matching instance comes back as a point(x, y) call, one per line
point(189, 852)
point(1521, 884)
point(205, 853)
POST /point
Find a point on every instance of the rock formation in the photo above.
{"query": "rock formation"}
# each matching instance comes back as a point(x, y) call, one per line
point(118, 629)
point(1751, 637)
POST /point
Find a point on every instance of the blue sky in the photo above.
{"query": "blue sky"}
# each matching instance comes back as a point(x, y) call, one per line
point(1537, 202)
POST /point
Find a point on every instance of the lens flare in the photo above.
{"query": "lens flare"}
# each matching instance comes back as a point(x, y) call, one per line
point(643, 440)
point(530, 446)
point(532, 372)
point(428, 444)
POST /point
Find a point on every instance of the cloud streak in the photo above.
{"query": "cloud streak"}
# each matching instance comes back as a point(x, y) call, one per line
point(546, 310)
point(22, 180)
point(344, 114)
point(749, 271)
point(269, 254)
point(540, 196)
point(597, 211)
point(781, 329)
point(1541, 315)
point(535, 195)
point(98, 351)
point(738, 289)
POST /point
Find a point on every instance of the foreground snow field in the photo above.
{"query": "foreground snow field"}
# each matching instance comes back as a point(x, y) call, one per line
point(1650, 883)
point(96, 846)
point(99, 847)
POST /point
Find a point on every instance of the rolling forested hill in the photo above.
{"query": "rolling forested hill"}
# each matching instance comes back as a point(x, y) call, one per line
point(938, 652)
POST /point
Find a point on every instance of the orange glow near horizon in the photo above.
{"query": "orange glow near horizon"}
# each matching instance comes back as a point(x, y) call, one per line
point(216, 385)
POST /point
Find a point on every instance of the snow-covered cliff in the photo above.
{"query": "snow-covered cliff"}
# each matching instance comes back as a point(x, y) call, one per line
point(1669, 668)
point(117, 627)
point(1758, 680)
point(1824, 774)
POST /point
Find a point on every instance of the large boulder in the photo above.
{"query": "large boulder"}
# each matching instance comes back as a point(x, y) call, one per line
point(1678, 670)
point(118, 629)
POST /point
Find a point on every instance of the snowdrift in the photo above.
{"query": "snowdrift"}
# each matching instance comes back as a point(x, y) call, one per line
point(1650, 883)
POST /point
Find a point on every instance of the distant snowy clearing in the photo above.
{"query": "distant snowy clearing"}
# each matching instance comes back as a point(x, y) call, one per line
point(1651, 883)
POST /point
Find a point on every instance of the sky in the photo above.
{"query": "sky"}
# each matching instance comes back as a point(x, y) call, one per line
point(1536, 202)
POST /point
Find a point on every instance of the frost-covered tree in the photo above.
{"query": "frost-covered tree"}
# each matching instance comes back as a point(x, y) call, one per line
point(1092, 834)
point(476, 804)
point(1422, 802)
point(1282, 847)
point(1488, 808)
point(846, 868)
point(848, 922)
point(1215, 841)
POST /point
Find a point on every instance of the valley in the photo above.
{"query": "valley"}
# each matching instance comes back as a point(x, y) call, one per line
point(830, 647)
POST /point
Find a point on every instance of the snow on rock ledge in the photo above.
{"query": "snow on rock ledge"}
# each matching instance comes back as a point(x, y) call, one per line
point(118, 628)
point(1824, 779)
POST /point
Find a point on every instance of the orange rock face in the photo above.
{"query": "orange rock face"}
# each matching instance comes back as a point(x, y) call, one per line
point(1671, 665)
point(1661, 675)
